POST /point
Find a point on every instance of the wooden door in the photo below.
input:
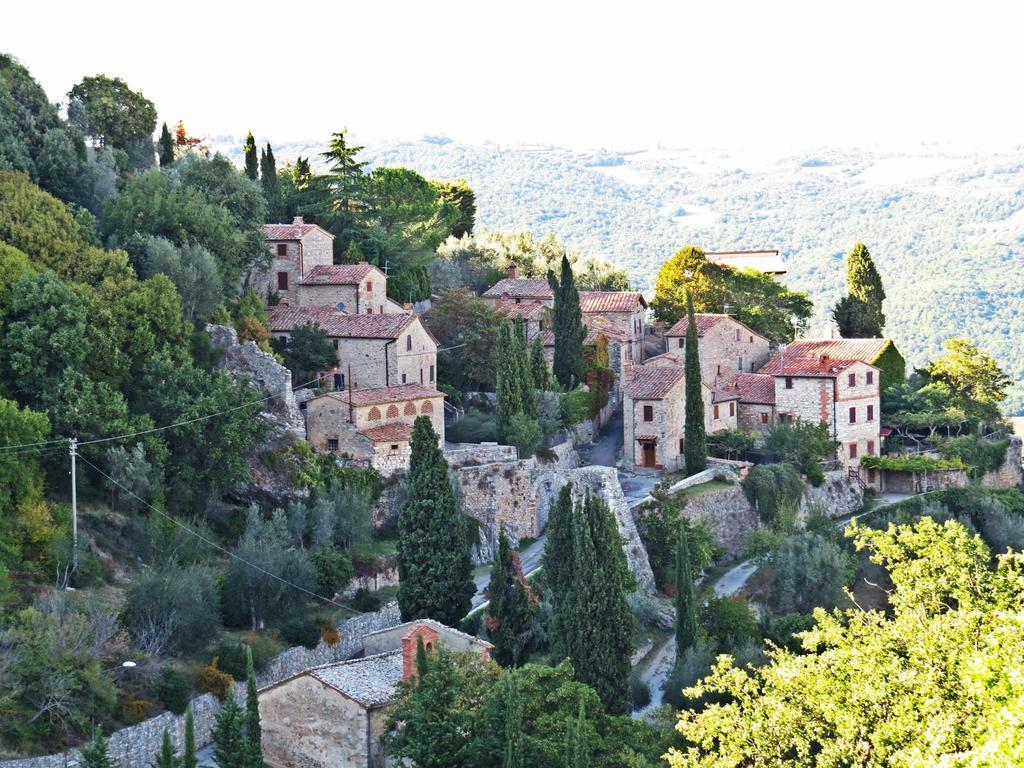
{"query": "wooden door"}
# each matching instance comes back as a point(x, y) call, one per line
point(649, 455)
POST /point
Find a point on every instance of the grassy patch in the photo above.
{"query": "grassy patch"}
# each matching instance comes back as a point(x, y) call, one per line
point(702, 488)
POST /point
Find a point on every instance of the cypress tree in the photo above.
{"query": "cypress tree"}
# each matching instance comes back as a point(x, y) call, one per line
point(95, 754)
point(524, 372)
point(166, 757)
point(864, 284)
point(434, 567)
point(568, 328)
point(230, 744)
point(539, 365)
point(600, 617)
point(512, 607)
point(251, 161)
point(558, 563)
point(190, 757)
point(513, 757)
point(422, 662)
point(576, 745)
point(695, 448)
point(268, 178)
point(508, 387)
point(253, 728)
point(165, 147)
point(686, 611)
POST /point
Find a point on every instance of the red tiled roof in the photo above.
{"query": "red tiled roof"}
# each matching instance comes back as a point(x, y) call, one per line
point(293, 231)
point(378, 395)
point(611, 301)
point(666, 358)
point(754, 388)
point(865, 350)
point(723, 393)
point(704, 322)
point(527, 310)
point(338, 274)
point(788, 364)
point(518, 287)
point(387, 433)
point(285, 318)
point(653, 383)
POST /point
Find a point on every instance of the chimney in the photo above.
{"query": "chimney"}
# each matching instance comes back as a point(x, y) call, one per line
point(627, 373)
point(429, 635)
point(298, 220)
point(513, 271)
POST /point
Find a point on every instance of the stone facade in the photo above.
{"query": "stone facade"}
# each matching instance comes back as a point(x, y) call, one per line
point(724, 415)
point(727, 347)
point(654, 427)
point(296, 249)
point(366, 295)
point(755, 417)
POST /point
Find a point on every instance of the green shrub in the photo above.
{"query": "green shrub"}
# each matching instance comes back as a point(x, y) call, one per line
point(524, 433)
point(694, 665)
point(645, 608)
point(781, 629)
point(729, 623)
point(774, 490)
point(804, 445)
point(174, 690)
point(978, 455)
point(365, 601)
point(639, 692)
point(1011, 498)
point(476, 426)
point(231, 659)
point(333, 571)
point(301, 630)
point(910, 463)
point(808, 571)
point(574, 407)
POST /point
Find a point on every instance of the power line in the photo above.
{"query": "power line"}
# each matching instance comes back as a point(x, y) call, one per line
point(214, 544)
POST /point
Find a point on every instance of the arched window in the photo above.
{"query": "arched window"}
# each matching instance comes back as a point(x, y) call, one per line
point(374, 414)
point(410, 409)
point(427, 407)
point(392, 411)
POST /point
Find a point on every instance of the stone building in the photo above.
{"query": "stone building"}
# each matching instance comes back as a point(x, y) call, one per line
point(619, 350)
point(881, 353)
point(333, 716)
point(517, 290)
point(379, 350)
point(654, 415)
point(727, 346)
point(843, 393)
point(532, 314)
point(756, 401)
point(724, 410)
point(357, 289)
point(297, 249)
point(373, 426)
point(622, 311)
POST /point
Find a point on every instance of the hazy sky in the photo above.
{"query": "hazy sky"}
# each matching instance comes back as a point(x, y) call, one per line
point(746, 76)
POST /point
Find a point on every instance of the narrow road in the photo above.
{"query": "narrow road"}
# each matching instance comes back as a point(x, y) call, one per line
point(658, 668)
point(531, 557)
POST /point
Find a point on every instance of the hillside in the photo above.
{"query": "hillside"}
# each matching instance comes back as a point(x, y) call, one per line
point(946, 230)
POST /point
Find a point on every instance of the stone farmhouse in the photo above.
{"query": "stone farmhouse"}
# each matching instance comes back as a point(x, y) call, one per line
point(843, 393)
point(334, 715)
point(358, 289)
point(379, 350)
point(372, 426)
point(881, 353)
point(297, 249)
point(727, 346)
point(619, 349)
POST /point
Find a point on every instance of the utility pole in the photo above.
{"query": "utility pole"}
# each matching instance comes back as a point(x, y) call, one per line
point(73, 450)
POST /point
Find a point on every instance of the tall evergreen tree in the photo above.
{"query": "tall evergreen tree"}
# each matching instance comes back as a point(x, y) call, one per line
point(509, 693)
point(165, 147)
point(686, 611)
point(253, 728)
point(95, 753)
point(230, 745)
point(268, 178)
point(576, 744)
point(695, 448)
point(508, 387)
point(568, 328)
point(166, 757)
point(524, 371)
point(600, 617)
point(558, 561)
point(434, 566)
point(512, 607)
point(860, 313)
point(539, 365)
point(252, 167)
point(190, 756)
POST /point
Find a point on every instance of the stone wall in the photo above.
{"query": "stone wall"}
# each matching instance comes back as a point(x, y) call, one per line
point(837, 496)
point(464, 454)
point(1008, 475)
point(729, 516)
point(499, 494)
point(135, 746)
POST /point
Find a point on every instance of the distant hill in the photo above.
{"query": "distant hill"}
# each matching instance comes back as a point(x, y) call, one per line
point(946, 230)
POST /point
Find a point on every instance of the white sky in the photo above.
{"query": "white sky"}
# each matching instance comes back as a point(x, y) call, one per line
point(742, 75)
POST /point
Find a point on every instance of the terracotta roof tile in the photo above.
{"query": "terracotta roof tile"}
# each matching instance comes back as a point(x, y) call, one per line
point(866, 350)
point(388, 433)
point(548, 337)
point(704, 322)
point(338, 274)
point(371, 681)
point(293, 231)
point(611, 301)
point(666, 358)
point(526, 310)
point(808, 366)
point(284, 318)
point(377, 395)
point(653, 383)
point(755, 388)
point(518, 287)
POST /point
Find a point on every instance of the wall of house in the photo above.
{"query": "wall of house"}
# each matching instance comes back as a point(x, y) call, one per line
point(317, 250)
point(721, 351)
point(727, 416)
point(808, 399)
point(629, 323)
point(289, 263)
point(862, 432)
point(750, 417)
point(668, 425)
point(331, 296)
point(307, 724)
point(391, 457)
point(402, 412)
point(419, 364)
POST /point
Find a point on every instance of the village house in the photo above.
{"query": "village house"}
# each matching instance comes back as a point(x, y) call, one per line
point(727, 346)
point(516, 290)
point(379, 350)
point(358, 289)
point(842, 393)
point(333, 716)
point(297, 249)
point(622, 311)
point(755, 394)
point(373, 425)
point(619, 348)
point(531, 314)
point(881, 353)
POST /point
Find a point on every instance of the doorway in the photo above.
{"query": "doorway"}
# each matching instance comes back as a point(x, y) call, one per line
point(650, 454)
